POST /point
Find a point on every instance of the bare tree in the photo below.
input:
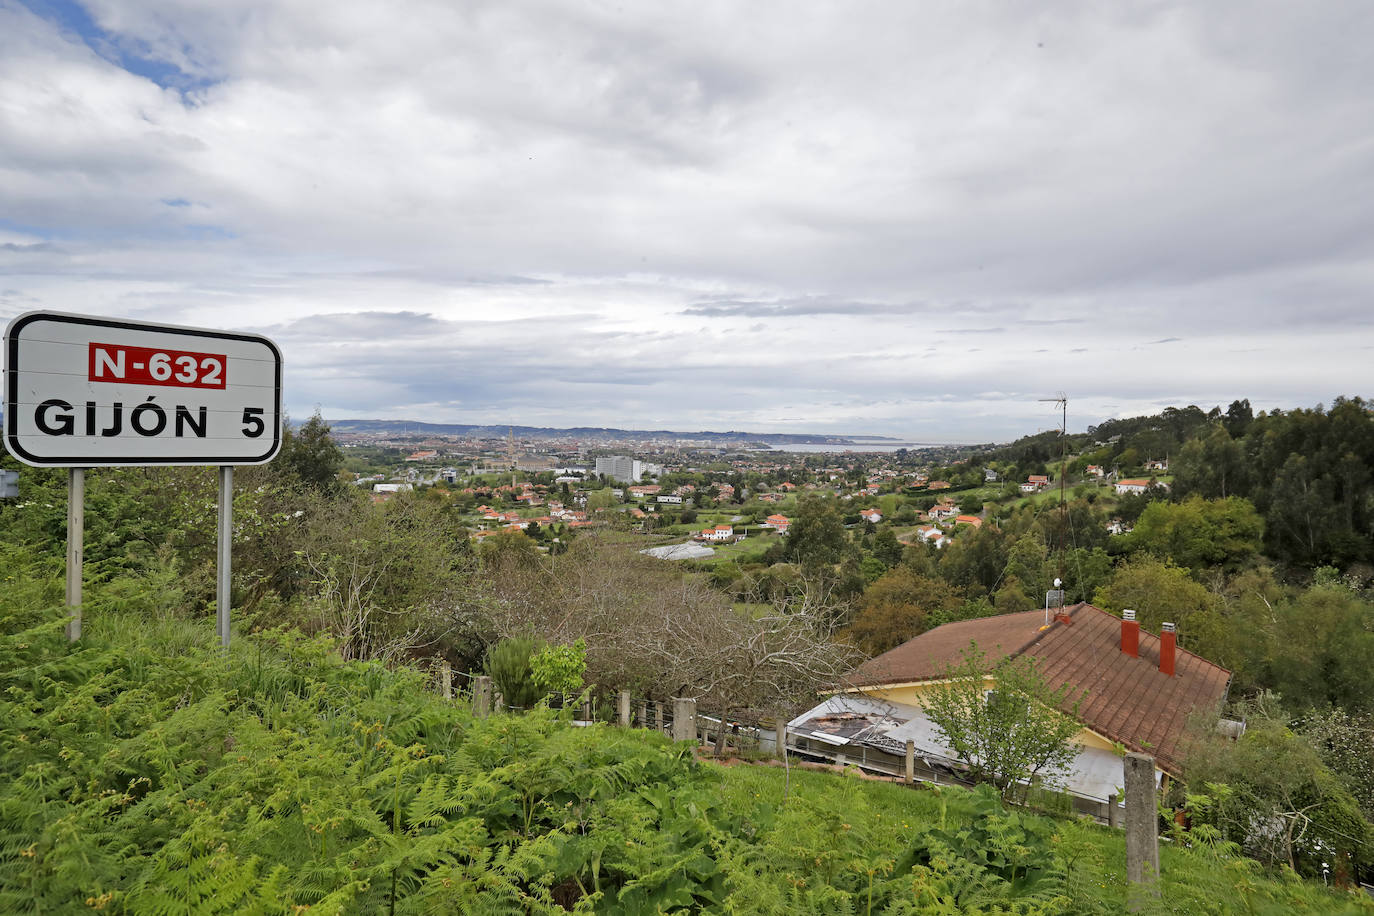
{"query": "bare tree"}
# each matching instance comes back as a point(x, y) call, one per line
point(649, 627)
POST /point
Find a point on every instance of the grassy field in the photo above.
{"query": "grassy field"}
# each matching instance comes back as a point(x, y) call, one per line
point(749, 550)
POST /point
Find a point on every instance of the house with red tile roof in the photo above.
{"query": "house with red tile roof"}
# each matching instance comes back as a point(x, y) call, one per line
point(973, 520)
point(1133, 689)
point(778, 523)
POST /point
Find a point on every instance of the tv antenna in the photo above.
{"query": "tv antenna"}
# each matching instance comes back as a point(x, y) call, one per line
point(1063, 401)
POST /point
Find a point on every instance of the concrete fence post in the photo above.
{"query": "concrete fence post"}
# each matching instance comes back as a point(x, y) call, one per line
point(643, 715)
point(684, 719)
point(481, 696)
point(587, 706)
point(1113, 810)
point(658, 715)
point(1142, 831)
point(780, 738)
point(911, 763)
point(624, 709)
point(446, 680)
point(498, 701)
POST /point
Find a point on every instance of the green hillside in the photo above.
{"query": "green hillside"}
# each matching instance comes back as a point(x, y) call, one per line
point(142, 772)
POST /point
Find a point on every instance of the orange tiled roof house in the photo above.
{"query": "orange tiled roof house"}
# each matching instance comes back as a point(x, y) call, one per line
point(1137, 690)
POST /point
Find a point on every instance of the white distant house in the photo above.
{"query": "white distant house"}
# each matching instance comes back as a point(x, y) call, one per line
point(670, 500)
point(778, 523)
point(933, 535)
point(1117, 526)
point(392, 488)
point(1137, 486)
point(718, 533)
point(871, 515)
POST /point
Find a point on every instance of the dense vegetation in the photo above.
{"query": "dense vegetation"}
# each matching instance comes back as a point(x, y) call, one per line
point(142, 772)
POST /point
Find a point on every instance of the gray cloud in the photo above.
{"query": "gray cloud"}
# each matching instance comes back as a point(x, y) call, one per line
point(798, 307)
point(676, 215)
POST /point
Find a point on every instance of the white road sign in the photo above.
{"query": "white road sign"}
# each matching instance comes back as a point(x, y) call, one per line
point(83, 391)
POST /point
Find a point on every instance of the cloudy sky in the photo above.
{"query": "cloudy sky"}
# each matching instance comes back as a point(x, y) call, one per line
point(911, 219)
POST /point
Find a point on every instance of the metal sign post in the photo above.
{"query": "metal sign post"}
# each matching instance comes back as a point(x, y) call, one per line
point(76, 548)
point(86, 392)
point(225, 547)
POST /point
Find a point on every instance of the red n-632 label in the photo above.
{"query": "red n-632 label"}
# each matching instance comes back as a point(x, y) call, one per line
point(153, 366)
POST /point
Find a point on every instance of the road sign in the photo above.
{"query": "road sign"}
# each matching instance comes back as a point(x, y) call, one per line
point(84, 392)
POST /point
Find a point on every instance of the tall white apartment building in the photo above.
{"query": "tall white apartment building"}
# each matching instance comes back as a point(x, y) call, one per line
point(620, 467)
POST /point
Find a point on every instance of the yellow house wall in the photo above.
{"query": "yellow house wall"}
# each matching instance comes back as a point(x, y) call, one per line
point(913, 695)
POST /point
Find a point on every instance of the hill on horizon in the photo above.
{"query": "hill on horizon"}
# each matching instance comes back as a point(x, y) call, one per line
point(495, 431)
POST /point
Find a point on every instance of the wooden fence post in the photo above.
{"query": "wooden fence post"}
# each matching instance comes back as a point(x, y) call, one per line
point(684, 719)
point(1142, 831)
point(624, 709)
point(481, 696)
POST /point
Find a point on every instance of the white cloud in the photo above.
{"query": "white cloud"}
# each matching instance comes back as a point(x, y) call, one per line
point(711, 214)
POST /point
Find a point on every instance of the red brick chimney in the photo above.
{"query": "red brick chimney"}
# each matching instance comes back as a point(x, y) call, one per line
point(1166, 648)
point(1130, 634)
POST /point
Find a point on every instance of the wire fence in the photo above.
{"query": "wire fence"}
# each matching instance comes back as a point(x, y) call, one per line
point(722, 732)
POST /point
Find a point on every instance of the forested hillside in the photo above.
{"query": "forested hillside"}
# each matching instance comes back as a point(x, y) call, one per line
point(1308, 471)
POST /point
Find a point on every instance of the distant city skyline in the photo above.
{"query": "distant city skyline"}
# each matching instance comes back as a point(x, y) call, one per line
point(833, 218)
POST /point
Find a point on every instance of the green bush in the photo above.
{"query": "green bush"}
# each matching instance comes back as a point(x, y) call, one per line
point(508, 663)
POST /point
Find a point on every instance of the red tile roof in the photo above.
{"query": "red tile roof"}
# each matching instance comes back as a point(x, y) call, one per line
point(1124, 699)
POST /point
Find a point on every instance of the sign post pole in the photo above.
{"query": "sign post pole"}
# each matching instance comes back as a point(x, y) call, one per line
point(76, 547)
point(226, 541)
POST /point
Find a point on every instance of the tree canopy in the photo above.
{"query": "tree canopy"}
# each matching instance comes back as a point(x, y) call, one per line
point(1004, 721)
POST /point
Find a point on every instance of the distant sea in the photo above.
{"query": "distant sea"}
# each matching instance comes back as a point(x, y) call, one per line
point(857, 446)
